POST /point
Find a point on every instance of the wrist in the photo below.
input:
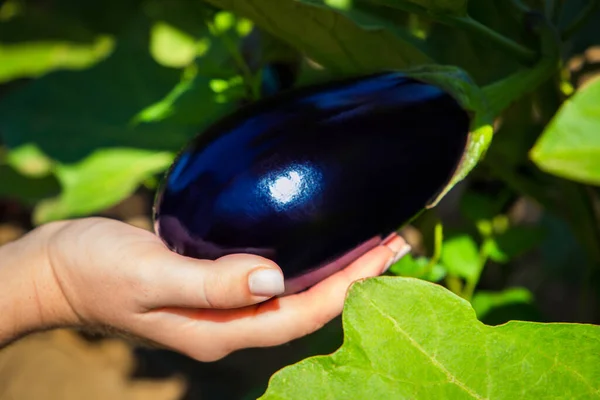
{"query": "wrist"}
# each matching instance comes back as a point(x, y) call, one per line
point(30, 297)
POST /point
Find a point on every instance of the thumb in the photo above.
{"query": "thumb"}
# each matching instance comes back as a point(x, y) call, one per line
point(232, 281)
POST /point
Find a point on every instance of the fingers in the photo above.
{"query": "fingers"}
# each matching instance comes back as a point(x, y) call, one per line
point(232, 281)
point(307, 312)
point(208, 335)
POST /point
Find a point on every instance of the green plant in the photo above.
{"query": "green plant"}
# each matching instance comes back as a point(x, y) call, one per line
point(93, 106)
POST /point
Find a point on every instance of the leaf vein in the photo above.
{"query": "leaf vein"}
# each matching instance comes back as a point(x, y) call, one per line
point(451, 377)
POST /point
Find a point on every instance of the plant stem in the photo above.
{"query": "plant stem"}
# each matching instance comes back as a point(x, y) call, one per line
point(519, 6)
point(471, 284)
point(248, 76)
point(437, 249)
point(552, 10)
point(580, 20)
point(502, 93)
point(454, 284)
point(520, 52)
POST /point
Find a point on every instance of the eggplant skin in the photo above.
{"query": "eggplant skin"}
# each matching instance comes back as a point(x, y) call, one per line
point(314, 177)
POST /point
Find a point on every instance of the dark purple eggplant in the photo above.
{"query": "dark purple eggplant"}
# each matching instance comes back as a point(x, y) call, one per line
point(312, 178)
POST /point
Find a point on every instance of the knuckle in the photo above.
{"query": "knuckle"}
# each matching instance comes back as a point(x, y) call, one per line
point(217, 291)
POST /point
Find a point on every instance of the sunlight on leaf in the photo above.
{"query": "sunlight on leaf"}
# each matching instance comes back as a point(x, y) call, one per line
point(341, 4)
point(172, 47)
point(224, 21)
point(570, 144)
point(345, 41)
point(29, 160)
point(166, 107)
point(244, 27)
point(33, 59)
point(410, 339)
point(460, 256)
point(100, 181)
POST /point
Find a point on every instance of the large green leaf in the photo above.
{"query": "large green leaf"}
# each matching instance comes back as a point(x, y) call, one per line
point(100, 181)
point(570, 144)
point(410, 339)
point(346, 41)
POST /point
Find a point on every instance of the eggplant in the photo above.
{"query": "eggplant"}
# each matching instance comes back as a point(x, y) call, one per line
point(312, 178)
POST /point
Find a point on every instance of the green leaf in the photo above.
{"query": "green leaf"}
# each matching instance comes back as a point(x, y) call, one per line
point(410, 339)
point(418, 268)
point(33, 59)
point(187, 16)
point(461, 257)
point(172, 47)
point(346, 41)
point(100, 181)
point(484, 302)
point(30, 161)
point(570, 144)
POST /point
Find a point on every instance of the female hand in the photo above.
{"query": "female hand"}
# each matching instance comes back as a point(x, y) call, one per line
point(98, 273)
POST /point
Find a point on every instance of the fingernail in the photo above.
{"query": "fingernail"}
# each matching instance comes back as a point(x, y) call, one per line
point(395, 244)
point(394, 259)
point(266, 282)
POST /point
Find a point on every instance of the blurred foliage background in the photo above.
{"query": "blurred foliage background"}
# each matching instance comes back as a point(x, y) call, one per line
point(96, 100)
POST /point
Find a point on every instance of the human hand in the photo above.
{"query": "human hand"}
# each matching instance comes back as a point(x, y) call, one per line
point(104, 273)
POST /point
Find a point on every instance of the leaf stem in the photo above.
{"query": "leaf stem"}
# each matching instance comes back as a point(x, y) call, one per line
point(454, 284)
point(519, 6)
point(552, 9)
point(471, 284)
point(581, 19)
point(249, 78)
point(437, 249)
point(502, 93)
point(520, 52)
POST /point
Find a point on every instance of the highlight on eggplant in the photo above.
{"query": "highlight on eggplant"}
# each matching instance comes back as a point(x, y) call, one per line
point(313, 178)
